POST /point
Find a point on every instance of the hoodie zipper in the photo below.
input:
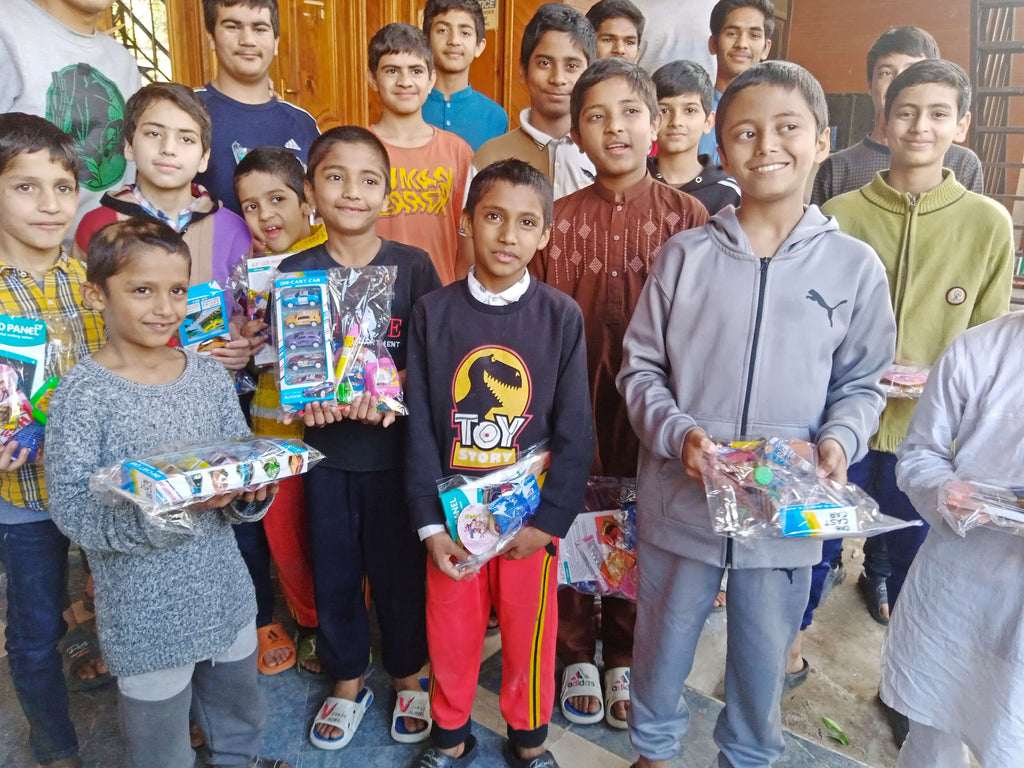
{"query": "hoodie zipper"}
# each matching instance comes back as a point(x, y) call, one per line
point(753, 346)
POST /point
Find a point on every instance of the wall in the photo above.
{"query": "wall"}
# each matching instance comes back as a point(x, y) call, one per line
point(831, 37)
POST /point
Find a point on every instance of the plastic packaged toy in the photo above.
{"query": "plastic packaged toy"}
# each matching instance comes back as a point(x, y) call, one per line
point(968, 504)
point(205, 327)
point(598, 554)
point(769, 489)
point(251, 285)
point(303, 330)
point(905, 382)
point(485, 513)
point(364, 311)
point(165, 484)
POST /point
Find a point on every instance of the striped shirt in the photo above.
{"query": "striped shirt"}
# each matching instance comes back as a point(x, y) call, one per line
point(71, 332)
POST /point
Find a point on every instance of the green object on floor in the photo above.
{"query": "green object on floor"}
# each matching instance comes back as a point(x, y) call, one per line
point(835, 731)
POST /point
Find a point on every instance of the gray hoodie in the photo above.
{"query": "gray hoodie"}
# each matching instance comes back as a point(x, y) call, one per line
point(743, 347)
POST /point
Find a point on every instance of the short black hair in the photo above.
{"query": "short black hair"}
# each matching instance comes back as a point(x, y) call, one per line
point(784, 74)
point(932, 71)
point(603, 10)
point(557, 17)
point(910, 41)
point(347, 134)
point(435, 8)
point(113, 246)
point(606, 69)
point(22, 133)
point(683, 77)
point(183, 97)
point(275, 161)
point(210, 8)
point(518, 174)
point(724, 7)
point(399, 37)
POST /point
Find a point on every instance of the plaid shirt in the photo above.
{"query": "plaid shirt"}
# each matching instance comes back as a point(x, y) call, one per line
point(71, 332)
point(184, 217)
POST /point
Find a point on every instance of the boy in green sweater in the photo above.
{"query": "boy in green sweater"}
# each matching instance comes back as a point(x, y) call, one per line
point(948, 254)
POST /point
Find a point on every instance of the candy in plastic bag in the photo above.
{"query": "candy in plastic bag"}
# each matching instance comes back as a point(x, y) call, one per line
point(485, 513)
point(968, 504)
point(166, 483)
point(905, 382)
point(769, 489)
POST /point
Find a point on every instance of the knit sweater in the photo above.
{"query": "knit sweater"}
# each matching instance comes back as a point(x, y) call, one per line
point(949, 259)
point(162, 599)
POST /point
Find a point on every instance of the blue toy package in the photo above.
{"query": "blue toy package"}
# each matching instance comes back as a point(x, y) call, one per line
point(206, 319)
point(485, 513)
point(303, 331)
point(23, 351)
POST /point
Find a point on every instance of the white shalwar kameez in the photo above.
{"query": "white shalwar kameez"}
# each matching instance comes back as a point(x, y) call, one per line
point(953, 657)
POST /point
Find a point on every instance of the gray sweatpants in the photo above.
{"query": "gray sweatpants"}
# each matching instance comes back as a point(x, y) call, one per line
point(763, 614)
point(223, 695)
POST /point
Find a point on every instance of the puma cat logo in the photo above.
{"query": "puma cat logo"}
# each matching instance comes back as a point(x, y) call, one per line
point(814, 296)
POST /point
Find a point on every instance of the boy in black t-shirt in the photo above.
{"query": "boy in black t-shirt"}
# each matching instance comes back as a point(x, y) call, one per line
point(357, 515)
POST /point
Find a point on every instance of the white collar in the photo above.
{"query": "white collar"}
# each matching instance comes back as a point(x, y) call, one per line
point(537, 135)
point(510, 295)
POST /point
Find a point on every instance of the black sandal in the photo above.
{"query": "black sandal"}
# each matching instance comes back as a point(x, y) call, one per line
point(876, 595)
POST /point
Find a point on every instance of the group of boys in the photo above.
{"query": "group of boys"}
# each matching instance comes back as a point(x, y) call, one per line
point(582, 209)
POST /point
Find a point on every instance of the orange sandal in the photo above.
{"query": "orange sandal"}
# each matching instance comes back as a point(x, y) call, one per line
point(271, 638)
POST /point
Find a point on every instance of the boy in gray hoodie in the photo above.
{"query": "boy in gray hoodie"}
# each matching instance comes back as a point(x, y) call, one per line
point(767, 321)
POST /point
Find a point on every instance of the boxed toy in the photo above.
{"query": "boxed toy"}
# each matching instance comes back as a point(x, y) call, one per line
point(206, 319)
point(167, 482)
point(485, 513)
point(259, 284)
point(23, 350)
point(770, 488)
point(304, 334)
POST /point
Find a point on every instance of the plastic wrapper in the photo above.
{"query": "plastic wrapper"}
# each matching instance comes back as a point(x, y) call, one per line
point(167, 483)
point(770, 489)
point(250, 287)
point(485, 513)
point(598, 554)
point(331, 332)
point(968, 504)
point(905, 382)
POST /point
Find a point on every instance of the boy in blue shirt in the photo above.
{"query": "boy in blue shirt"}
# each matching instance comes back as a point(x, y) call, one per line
point(456, 31)
point(778, 362)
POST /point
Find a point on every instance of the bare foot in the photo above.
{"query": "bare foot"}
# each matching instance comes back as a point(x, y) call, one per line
point(412, 683)
point(587, 705)
point(620, 710)
point(196, 739)
point(883, 608)
point(343, 689)
point(276, 656)
point(795, 661)
point(644, 762)
point(719, 600)
point(528, 754)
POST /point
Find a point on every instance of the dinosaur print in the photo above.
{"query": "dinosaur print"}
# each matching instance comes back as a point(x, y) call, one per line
point(489, 379)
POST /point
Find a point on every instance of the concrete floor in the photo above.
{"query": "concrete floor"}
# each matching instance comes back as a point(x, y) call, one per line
point(841, 647)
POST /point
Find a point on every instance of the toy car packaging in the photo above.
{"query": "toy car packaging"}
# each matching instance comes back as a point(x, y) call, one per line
point(206, 319)
point(364, 315)
point(165, 484)
point(598, 554)
point(770, 488)
point(905, 382)
point(485, 513)
point(24, 351)
point(303, 330)
point(968, 504)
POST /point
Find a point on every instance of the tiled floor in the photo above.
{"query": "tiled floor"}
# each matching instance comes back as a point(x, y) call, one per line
point(293, 699)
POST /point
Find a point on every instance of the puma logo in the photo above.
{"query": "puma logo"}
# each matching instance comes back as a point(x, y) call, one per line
point(813, 295)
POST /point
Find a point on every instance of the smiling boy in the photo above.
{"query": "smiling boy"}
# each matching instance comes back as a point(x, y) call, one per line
point(741, 32)
point(948, 254)
point(603, 243)
point(456, 30)
point(429, 166)
point(558, 45)
point(245, 113)
point(725, 342)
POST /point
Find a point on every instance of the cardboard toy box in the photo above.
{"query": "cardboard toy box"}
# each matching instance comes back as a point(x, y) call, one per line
point(206, 319)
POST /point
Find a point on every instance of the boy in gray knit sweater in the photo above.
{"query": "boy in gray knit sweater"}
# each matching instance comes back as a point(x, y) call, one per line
point(175, 612)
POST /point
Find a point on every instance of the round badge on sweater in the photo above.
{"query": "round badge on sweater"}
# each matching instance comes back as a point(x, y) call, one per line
point(956, 295)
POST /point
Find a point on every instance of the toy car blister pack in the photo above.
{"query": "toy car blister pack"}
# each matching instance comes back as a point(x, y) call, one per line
point(205, 327)
point(968, 504)
point(770, 488)
point(303, 330)
point(169, 481)
point(598, 554)
point(485, 513)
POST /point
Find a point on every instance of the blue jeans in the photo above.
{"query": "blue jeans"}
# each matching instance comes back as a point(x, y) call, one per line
point(35, 556)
